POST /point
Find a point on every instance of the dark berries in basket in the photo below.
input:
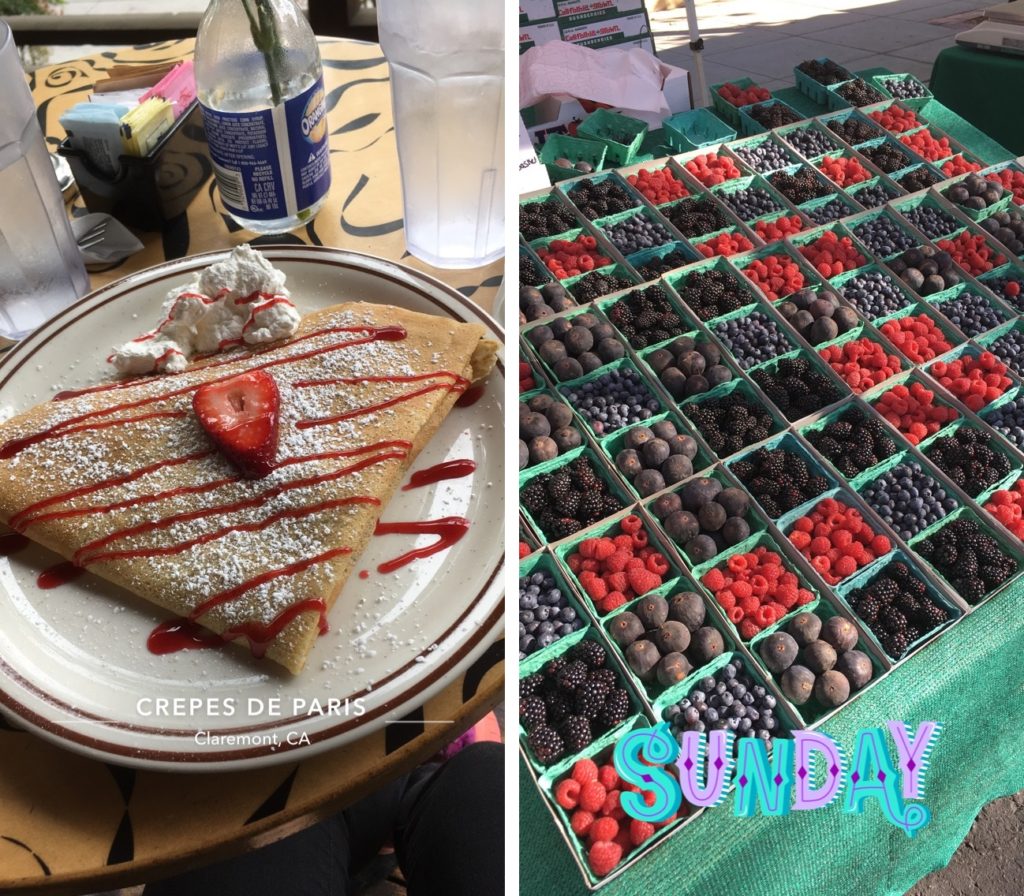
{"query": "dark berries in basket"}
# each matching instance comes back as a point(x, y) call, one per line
point(799, 187)
point(920, 178)
point(961, 547)
point(596, 284)
point(688, 367)
point(932, 221)
point(824, 71)
point(796, 387)
point(874, 294)
point(530, 272)
point(569, 499)
point(703, 518)
point(646, 317)
point(854, 130)
point(544, 613)
point(712, 292)
point(859, 93)
point(696, 217)
point(651, 461)
point(752, 338)
point(661, 264)
point(887, 156)
point(598, 199)
point(549, 299)
point(546, 744)
point(612, 400)
point(546, 430)
point(779, 479)
point(969, 457)
point(975, 192)
point(908, 499)
point(854, 442)
point(575, 346)
point(730, 422)
point(873, 195)
point(772, 114)
point(546, 218)
point(817, 316)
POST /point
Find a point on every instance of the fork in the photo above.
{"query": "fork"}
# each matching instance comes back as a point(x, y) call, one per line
point(93, 236)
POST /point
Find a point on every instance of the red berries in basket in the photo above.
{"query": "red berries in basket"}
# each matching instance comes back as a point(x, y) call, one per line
point(1012, 180)
point(711, 169)
point(975, 381)
point(1007, 506)
point(927, 145)
point(568, 258)
point(896, 119)
point(743, 96)
point(959, 165)
point(775, 275)
point(913, 411)
point(782, 226)
point(837, 540)
point(861, 363)
point(659, 186)
point(972, 253)
point(725, 244)
point(831, 254)
point(917, 336)
point(844, 170)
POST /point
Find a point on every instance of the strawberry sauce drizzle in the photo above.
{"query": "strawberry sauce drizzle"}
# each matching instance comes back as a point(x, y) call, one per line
point(60, 574)
point(15, 446)
point(371, 408)
point(449, 469)
point(449, 530)
point(176, 635)
point(82, 556)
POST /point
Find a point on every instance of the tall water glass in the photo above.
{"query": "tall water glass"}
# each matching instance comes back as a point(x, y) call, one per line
point(41, 269)
point(448, 94)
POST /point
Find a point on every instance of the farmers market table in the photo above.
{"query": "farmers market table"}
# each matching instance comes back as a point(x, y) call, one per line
point(956, 680)
point(70, 824)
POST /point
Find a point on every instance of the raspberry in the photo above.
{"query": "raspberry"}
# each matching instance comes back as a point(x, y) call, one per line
point(845, 566)
point(581, 822)
point(567, 793)
point(613, 601)
point(584, 771)
point(639, 831)
point(741, 589)
point(607, 775)
point(880, 545)
point(604, 828)
point(631, 524)
point(592, 795)
point(748, 628)
point(603, 857)
point(714, 579)
point(611, 804)
point(643, 580)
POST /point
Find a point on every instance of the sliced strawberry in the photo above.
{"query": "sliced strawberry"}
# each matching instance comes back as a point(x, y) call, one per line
point(240, 415)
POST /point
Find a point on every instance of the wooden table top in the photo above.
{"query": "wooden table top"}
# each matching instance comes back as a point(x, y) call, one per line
point(72, 824)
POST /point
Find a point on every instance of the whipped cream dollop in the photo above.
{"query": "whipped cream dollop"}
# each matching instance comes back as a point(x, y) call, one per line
point(239, 301)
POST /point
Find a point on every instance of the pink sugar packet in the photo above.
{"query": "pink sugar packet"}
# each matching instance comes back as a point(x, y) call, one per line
point(178, 87)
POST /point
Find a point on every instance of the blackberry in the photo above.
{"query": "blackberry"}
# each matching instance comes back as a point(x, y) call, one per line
point(591, 654)
point(591, 507)
point(530, 684)
point(532, 712)
point(547, 218)
point(546, 744)
point(572, 675)
point(895, 643)
point(575, 732)
point(534, 496)
point(605, 675)
point(558, 706)
point(892, 620)
point(554, 666)
point(615, 709)
point(563, 527)
point(696, 217)
point(868, 609)
point(780, 480)
point(599, 199)
point(589, 698)
point(558, 485)
point(969, 459)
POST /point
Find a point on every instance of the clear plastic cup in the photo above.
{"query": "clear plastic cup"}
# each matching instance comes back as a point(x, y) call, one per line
point(448, 93)
point(41, 268)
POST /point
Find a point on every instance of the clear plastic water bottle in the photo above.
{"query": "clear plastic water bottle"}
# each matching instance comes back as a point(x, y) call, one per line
point(260, 85)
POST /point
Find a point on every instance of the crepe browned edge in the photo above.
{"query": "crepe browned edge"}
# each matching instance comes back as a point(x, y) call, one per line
point(461, 348)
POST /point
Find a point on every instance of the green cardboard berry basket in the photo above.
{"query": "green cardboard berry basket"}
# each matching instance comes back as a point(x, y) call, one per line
point(757, 140)
point(934, 594)
point(934, 173)
point(908, 379)
point(811, 88)
point(604, 246)
point(893, 190)
point(851, 204)
point(592, 633)
point(622, 364)
point(974, 351)
point(774, 543)
point(841, 229)
point(811, 357)
point(866, 331)
point(925, 199)
point(837, 101)
point(615, 269)
point(1012, 164)
point(660, 164)
point(677, 280)
point(731, 219)
point(975, 214)
point(840, 281)
point(565, 189)
point(836, 142)
point(600, 470)
point(873, 214)
point(601, 752)
point(638, 260)
point(546, 321)
point(525, 397)
point(834, 415)
point(771, 315)
point(653, 688)
point(1008, 397)
point(861, 114)
point(545, 563)
point(827, 187)
point(742, 260)
point(995, 442)
point(575, 149)
point(750, 125)
point(754, 517)
point(612, 527)
point(696, 129)
point(940, 301)
point(613, 444)
point(686, 318)
point(862, 480)
point(789, 443)
point(681, 160)
point(726, 110)
point(1013, 269)
point(603, 225)
point(700, 337)
point(755, 181)
point(906, 105)
point(869, 166)
point(553, 196)
point(991, 527)
point(747, 391)
point(621, 134)
point(741, 230)
point(987, 340)
point(914, 102)
point(891, 140)
point(812, 713)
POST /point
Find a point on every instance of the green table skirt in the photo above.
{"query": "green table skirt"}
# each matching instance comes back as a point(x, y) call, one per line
point(971, 679)
point(985, 88)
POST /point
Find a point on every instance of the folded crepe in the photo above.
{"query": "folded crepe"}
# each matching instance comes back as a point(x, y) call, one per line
point(124, 481)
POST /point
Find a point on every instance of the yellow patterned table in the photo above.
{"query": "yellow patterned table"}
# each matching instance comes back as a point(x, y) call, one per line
point(72, 825)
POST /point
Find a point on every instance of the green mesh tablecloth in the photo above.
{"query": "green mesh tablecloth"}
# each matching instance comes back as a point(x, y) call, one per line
point(971, 679)
point(985, 89)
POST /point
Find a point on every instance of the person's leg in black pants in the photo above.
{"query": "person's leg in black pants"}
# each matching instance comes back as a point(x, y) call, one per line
point(447, 823)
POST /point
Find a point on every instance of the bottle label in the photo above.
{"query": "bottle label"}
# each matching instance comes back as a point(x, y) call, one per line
point(271, 163)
